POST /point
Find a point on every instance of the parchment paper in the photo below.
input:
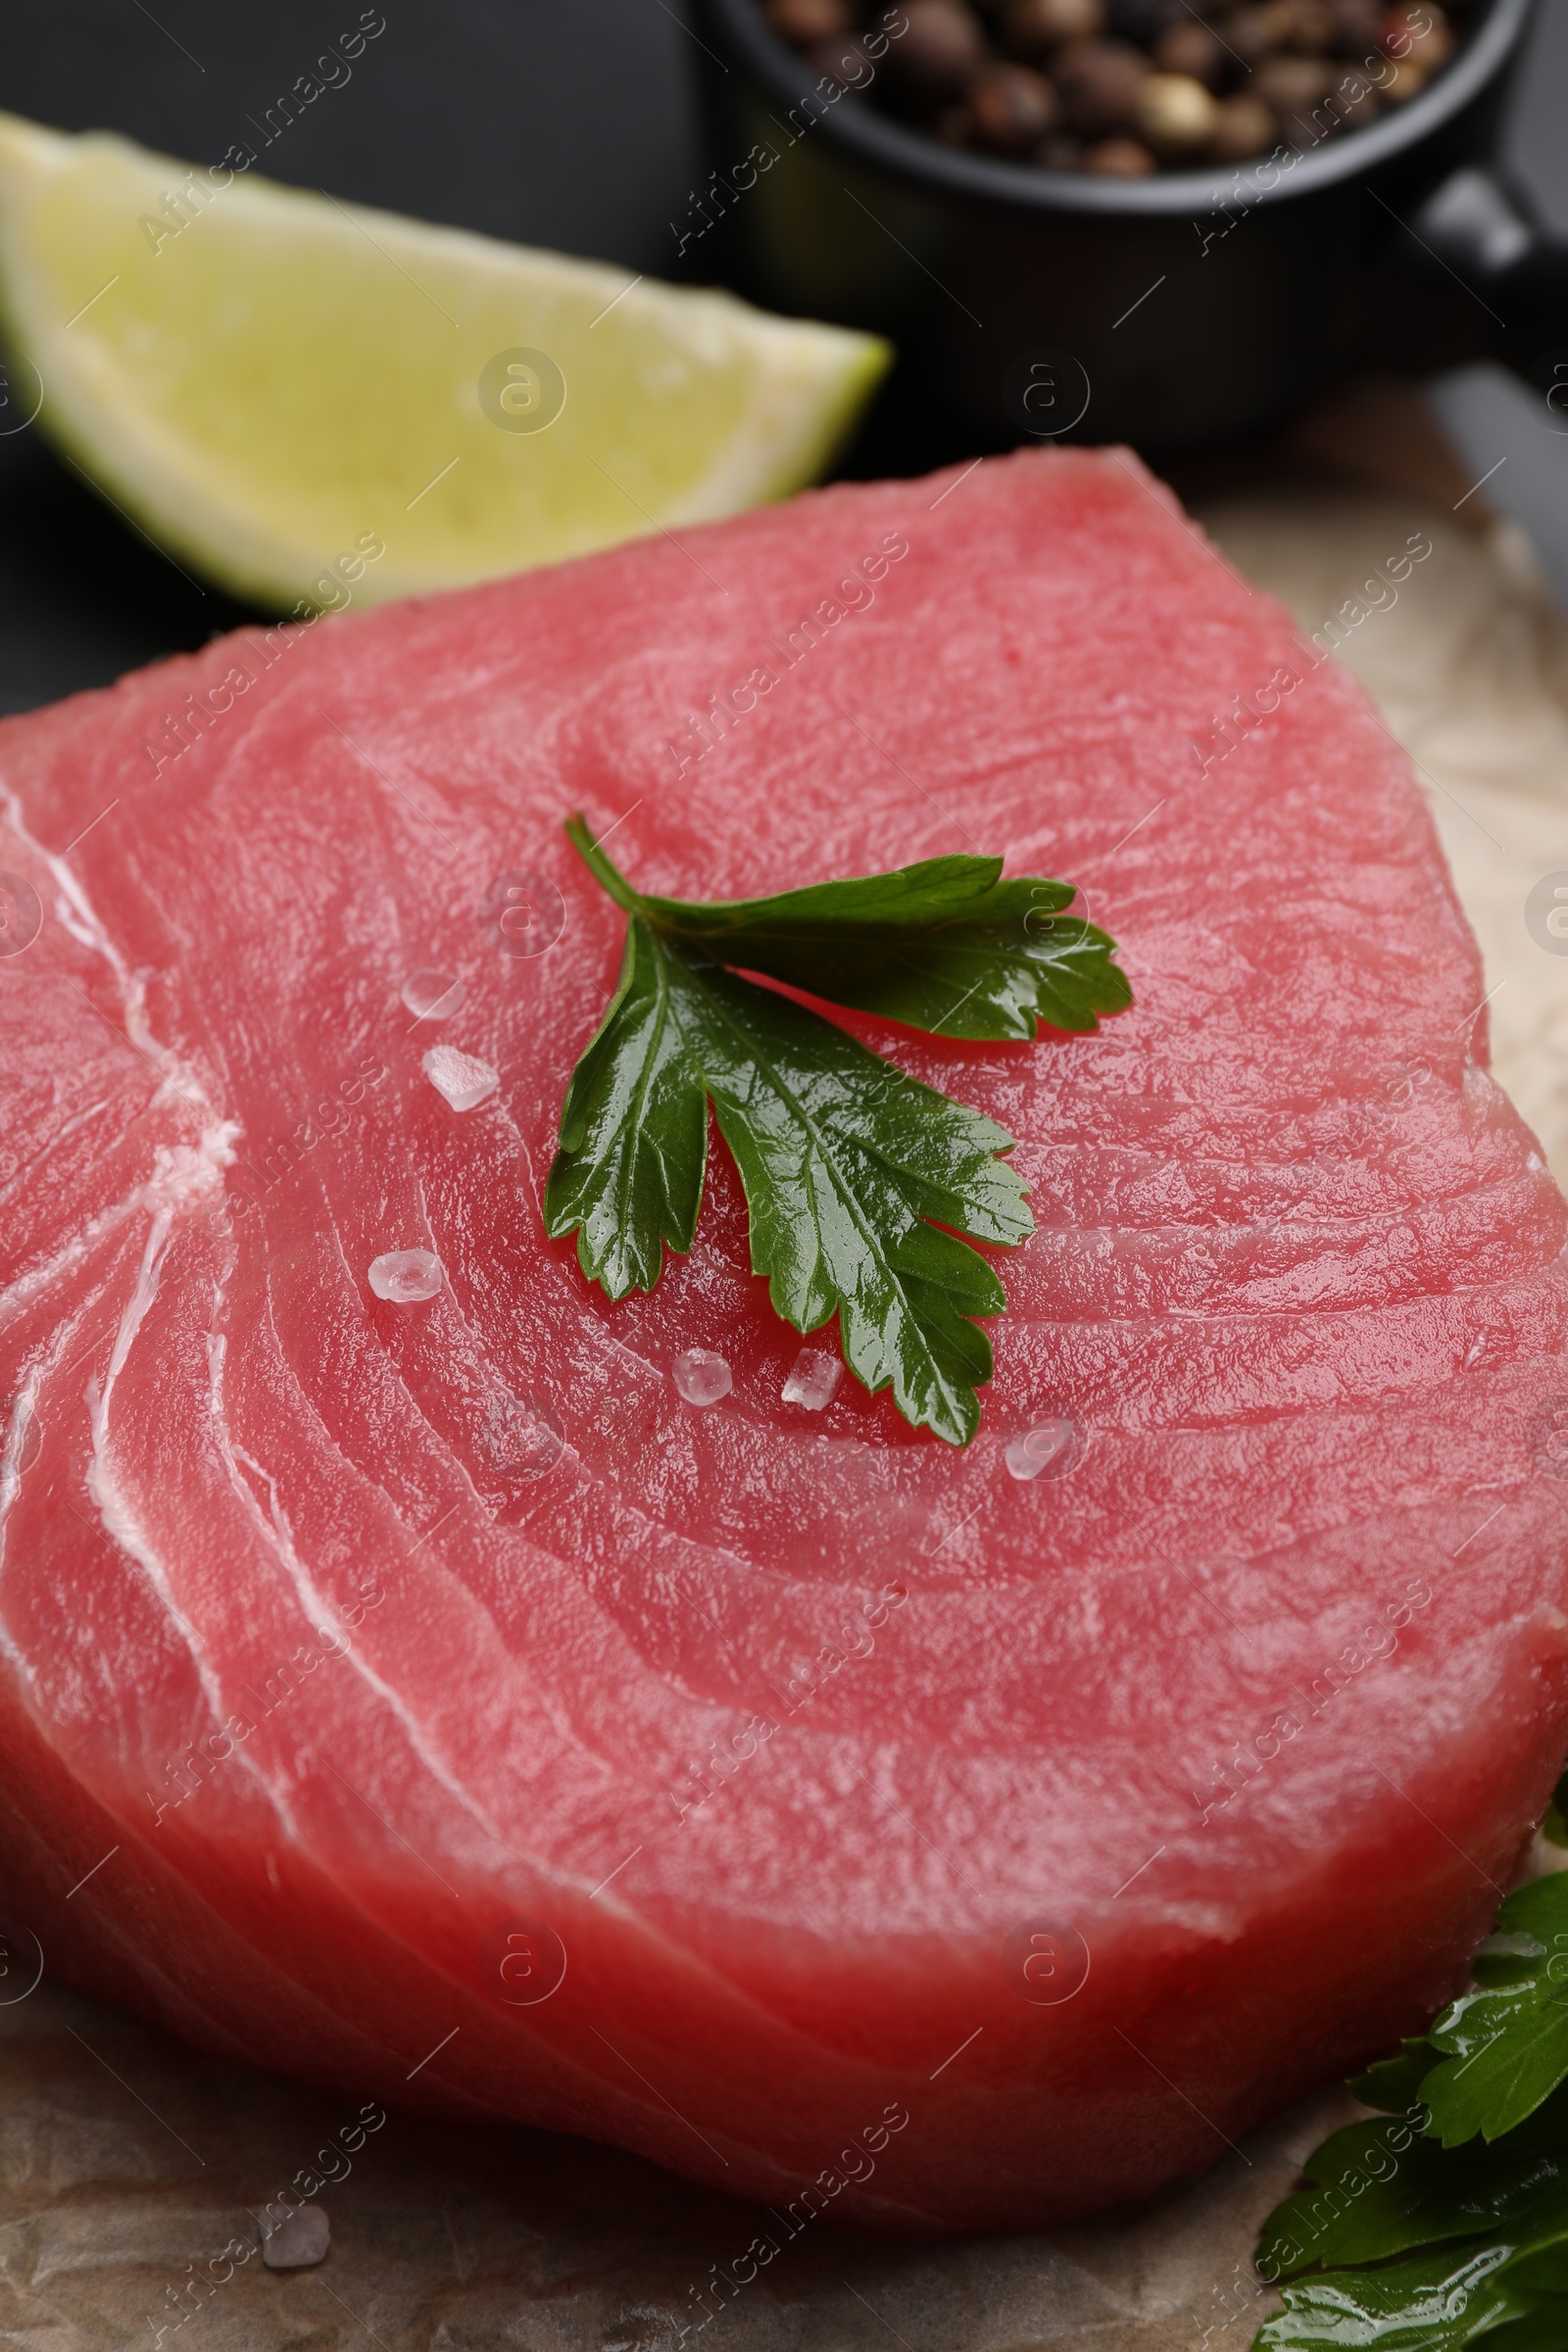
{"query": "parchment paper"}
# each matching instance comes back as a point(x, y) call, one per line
point(127, 2165)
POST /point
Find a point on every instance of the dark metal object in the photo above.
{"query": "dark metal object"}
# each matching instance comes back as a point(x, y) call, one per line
point(1202, 304)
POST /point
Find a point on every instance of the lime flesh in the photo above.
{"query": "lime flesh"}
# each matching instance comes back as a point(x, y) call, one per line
point(291, 394)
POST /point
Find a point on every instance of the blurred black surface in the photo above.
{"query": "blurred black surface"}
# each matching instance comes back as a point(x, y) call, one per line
point(562, 123)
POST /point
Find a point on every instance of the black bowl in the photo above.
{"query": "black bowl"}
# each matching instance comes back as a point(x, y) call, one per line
point(1188, 308)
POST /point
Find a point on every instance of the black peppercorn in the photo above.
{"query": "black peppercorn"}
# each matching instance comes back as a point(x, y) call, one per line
point(1191, 49)
point(1100, 82)
point(1012, 108)
point(1297, 87)
point(1033, 28)
point(939, 48)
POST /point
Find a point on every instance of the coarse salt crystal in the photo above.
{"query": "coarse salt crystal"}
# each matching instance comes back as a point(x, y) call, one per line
point(702, 1376)
point(301, 2239)
point(406, 1276)
point(462, 1078)
point(1048, 1450)
point(433, 996)
point(813, 1377)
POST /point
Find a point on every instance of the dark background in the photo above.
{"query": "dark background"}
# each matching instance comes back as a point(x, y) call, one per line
point(562, 123)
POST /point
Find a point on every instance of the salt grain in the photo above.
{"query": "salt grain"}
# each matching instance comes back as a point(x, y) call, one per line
point(1048, 1450)
point(433, 996)
point(462, 1078)
point(303, 2239)
point(520, 1437)
point(701, 1377)
point(406, 1276)
point(812, 1379)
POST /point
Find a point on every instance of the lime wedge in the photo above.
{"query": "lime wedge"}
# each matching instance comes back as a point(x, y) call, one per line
point(311, 403)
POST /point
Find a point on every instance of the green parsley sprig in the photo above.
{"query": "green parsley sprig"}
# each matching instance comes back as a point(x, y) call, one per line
point(1448, 2223)
point(859, 1179)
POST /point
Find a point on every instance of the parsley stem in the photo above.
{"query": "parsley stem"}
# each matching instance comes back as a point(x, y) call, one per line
point(605, 873)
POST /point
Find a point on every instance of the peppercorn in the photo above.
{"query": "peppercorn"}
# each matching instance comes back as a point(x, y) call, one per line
point(1243, 126)
point(1012, 108)
point(1296, 86)
point(940, 49)
point(1123, 88)
point(1356, 25)
point(1119, 158)
point(1191, 49)
point(1175, 114)
point(1293, 81)
point(1308, 26)
point(1406, 80)
point(1032, 29)
point(807, 21)
point(1100, 82)
point(842, 62)
point(1417, 35)
point(1251, 34)
point(1280, 17)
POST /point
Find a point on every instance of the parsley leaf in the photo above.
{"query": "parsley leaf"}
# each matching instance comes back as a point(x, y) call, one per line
point(1434, 2304)
point(845, 1161)
point(946, 945)
point(1380, 2188)
point(628, 1176)
point(1505, 2047)
point(1459, 2203)
point(859, 1181)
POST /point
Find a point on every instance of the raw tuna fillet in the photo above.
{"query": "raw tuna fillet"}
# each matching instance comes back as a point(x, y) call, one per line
point(407, 1684)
